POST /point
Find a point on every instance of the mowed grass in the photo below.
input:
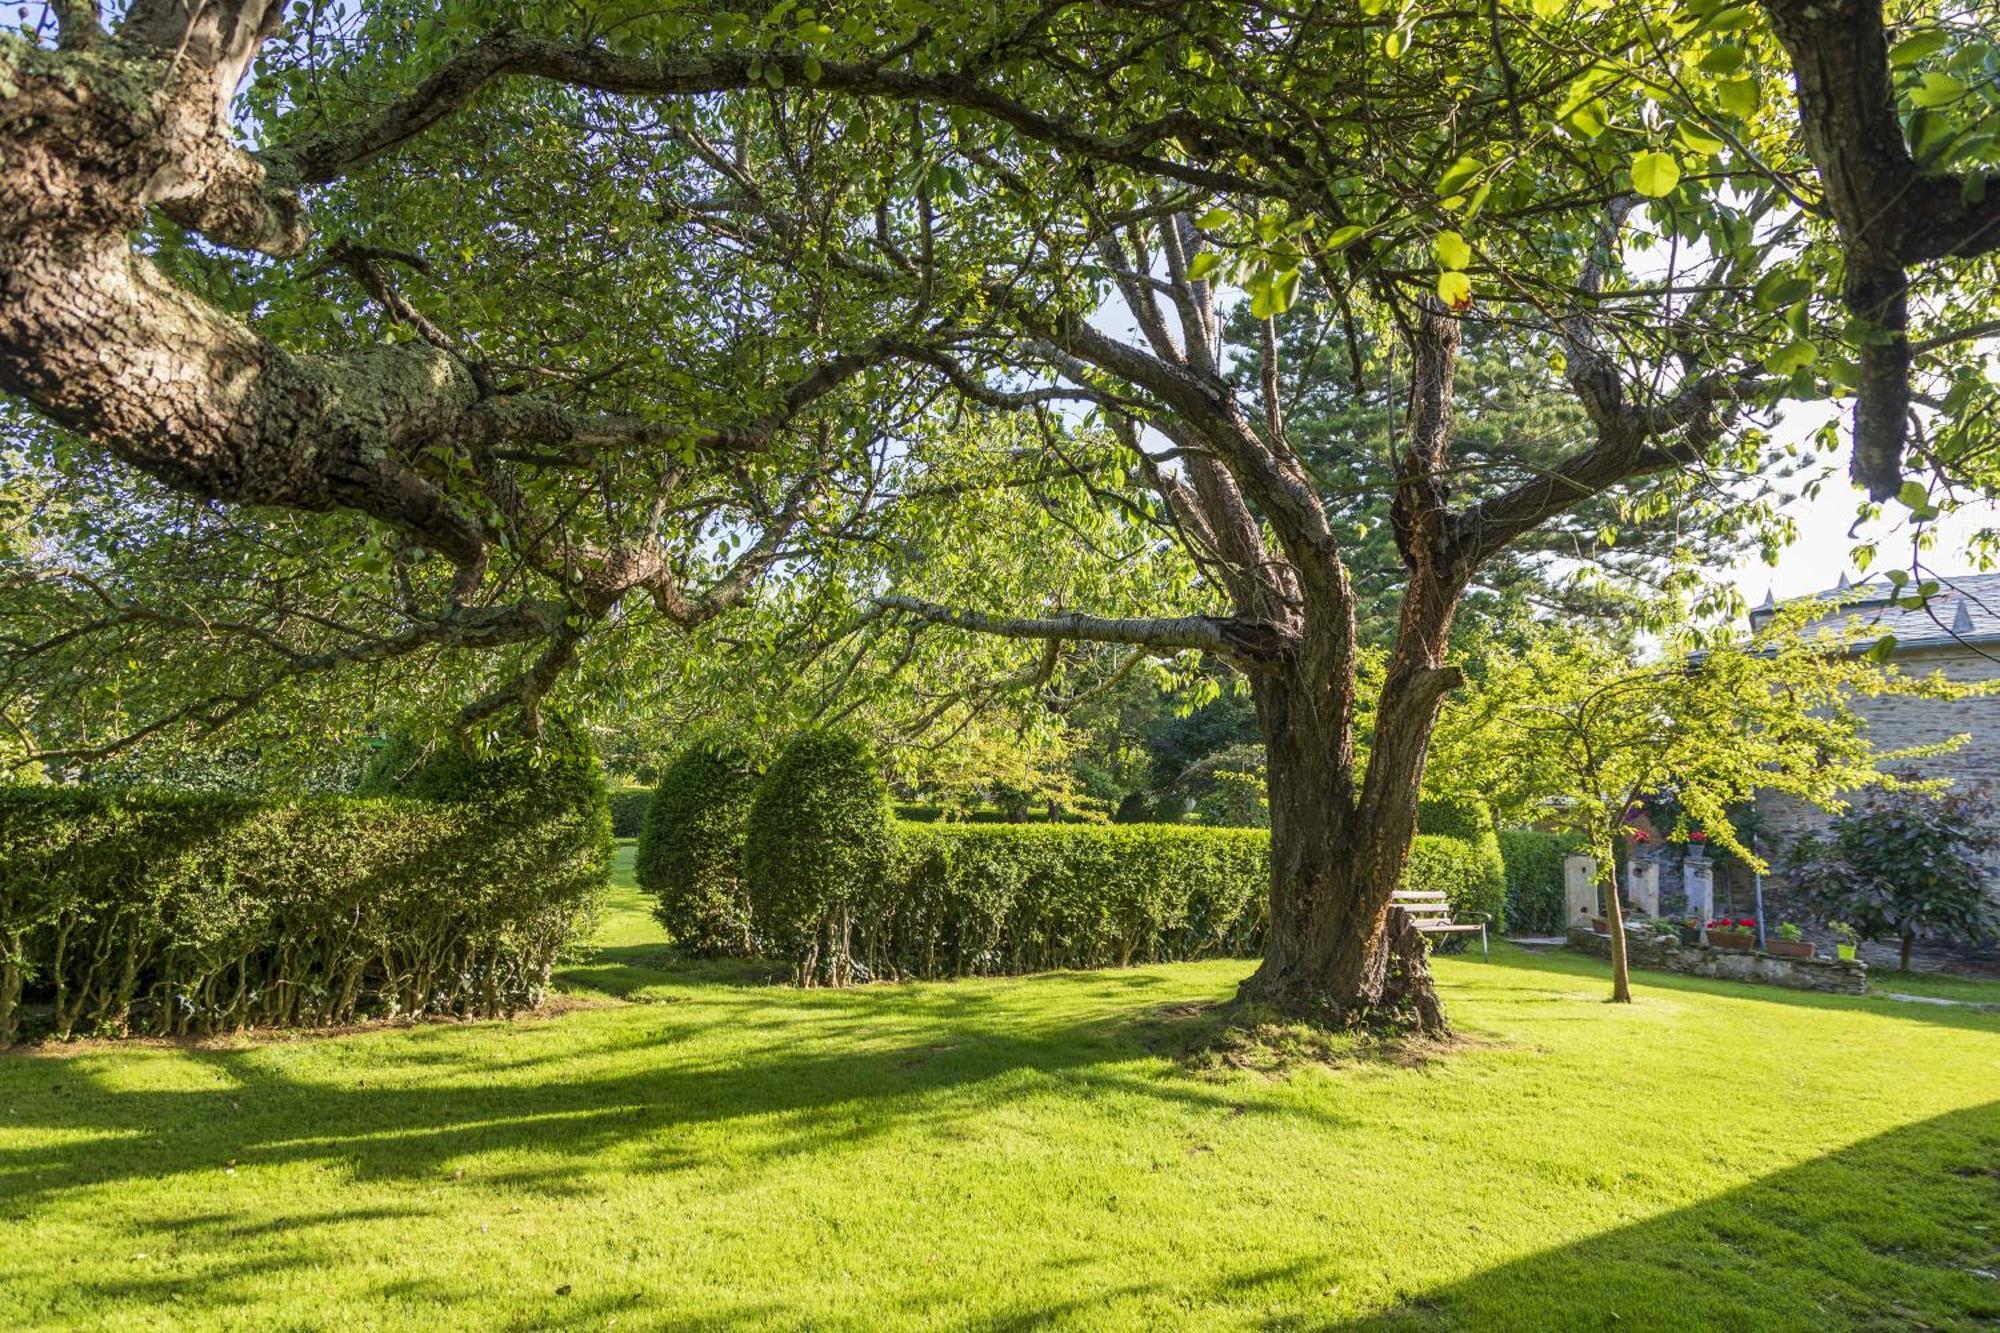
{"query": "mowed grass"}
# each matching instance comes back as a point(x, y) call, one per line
point(689, 1148)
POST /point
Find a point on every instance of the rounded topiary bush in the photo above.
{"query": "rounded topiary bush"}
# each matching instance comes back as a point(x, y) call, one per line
point(817, 846)
point(690, 855)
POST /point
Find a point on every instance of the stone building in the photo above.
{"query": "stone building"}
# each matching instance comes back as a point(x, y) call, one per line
point(1958, 634)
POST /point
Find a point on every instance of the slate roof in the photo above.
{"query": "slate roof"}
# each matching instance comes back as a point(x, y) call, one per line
point(1965, 609)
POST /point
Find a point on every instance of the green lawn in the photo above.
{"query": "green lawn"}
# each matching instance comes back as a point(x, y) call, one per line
point(691, 1148)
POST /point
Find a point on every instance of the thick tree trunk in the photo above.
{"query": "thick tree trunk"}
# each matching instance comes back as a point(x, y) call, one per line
point(1335, 953)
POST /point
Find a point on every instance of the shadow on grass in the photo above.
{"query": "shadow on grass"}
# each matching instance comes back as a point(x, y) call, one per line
point(1898, 1231)
point(817, 1070)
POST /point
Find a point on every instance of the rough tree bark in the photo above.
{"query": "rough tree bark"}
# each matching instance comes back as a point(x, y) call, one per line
point(1890, 214)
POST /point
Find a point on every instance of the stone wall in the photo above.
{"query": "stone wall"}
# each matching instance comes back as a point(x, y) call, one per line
point(1668, 954)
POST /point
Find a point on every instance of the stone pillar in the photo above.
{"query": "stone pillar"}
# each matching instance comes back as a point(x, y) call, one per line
point(1698, 879)
point(1642, 884)
point(1579, 890)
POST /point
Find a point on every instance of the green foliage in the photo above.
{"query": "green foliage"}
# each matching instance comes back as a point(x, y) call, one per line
point(1454, 817)
point(690, 855)
point(1904, 864)
point(963, 900)
point(981, 899)
point(628, 810)
point(817, 845)
point(1469, 873)
point(1460, 854)
point(170, 913)
point(1533, 861)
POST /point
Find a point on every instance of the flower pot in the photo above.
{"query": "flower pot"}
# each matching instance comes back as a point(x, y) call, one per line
point(1732, 939)
point(1690, 935)
point(1788, 948)
point(1845, 951)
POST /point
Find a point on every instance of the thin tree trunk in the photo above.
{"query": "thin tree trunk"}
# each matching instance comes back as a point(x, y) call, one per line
point(1614, 913)
point(1904, 965)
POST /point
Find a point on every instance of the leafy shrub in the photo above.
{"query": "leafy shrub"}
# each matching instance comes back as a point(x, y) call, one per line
point(171, 913)
point(984, 899)
point(1904, 864)
point(1533, 861)
point(628, 810)
point(1469, 874)
point(817, 845)
point(690, 855)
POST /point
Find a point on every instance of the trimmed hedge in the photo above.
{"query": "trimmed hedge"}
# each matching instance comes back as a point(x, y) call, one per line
point(1468, 872)
point(628, 810)
point(992, 899)
point(1534, 864)
point(988, 899)
point(690, 855)
point(817, 844)
point(171, 914)
point(1474, 879)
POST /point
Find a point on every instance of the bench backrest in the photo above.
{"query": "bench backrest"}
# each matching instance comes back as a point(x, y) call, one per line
point(1423, 904)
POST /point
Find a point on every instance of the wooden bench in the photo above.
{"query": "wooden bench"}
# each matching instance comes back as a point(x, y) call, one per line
point(1430, 912)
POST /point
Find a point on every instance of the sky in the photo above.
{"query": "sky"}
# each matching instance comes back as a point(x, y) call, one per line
point(1823, 550)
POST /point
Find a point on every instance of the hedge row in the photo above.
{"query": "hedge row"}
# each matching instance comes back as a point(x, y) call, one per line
point(977, 899)
point(811, 869)
point(628, 810)
point(171, 914)
point(1534, 863)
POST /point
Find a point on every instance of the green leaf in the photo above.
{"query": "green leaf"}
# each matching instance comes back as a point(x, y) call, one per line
point(1451, 250)
point(1914, 48)
point(1455, 290)
point(1913, 495)
point(1739, 96)
point(1204, 264)
point(1345, 236)
point(1214, 218)
point(1724, 59)
point(1780, 288)
point(1458, 175)
point(1937, 90)
point(1793, 356)
point(1655, 174)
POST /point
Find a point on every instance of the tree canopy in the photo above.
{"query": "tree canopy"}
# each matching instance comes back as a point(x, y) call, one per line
point(467, 338)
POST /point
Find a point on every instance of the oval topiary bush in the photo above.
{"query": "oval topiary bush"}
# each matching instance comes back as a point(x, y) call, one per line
point(690, 855)
point(818, 844)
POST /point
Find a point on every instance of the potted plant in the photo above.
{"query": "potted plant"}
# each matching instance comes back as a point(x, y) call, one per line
point(1849, 938)
point(1690, 929)
point(1733, 933)
point(1788, 941)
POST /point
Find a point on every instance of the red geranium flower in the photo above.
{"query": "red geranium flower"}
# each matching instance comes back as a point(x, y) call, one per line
point(1697, 836)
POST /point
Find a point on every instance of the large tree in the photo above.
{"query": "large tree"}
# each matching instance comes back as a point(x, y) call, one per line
point(958, 190)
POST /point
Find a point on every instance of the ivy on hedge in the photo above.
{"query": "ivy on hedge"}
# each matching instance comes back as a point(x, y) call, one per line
point(690, 855)
point(172, 914)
